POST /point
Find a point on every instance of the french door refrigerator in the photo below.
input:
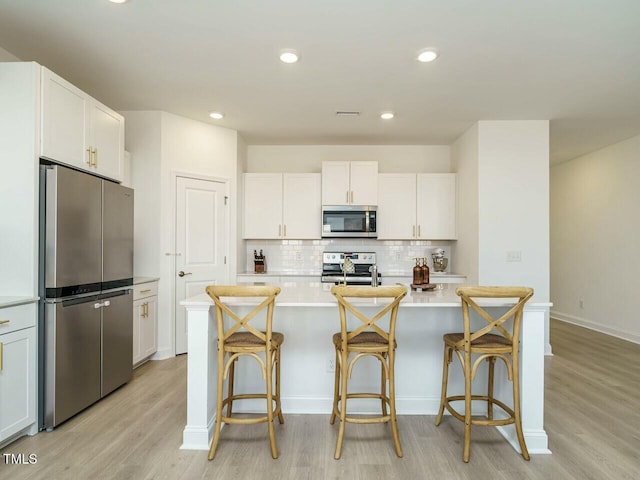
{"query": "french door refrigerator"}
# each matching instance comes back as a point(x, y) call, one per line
point(86, 272)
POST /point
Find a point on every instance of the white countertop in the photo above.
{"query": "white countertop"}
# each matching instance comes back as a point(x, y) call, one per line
point(16, 300)
point(316, 294)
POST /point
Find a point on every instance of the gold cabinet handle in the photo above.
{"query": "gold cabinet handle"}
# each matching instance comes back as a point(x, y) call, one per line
point(1, 356)
point(419, 234)
point(351, 196)
point(285, 230)
point(90, 156)
point(414, 231)
point(4, 322)
point(95, 157)
point(145, 291)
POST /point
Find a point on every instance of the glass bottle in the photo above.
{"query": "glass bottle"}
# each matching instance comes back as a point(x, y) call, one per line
point(417, 273)
point(425, 271)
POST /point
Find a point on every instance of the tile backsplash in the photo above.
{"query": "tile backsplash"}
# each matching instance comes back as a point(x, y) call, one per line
point(305, 256)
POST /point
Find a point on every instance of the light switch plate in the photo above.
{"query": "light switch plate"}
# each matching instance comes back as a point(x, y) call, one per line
point(514, 256)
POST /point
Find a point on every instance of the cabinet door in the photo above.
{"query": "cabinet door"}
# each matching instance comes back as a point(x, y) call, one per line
point(397, 206)
point(64, 125)
point(436, 206)
point(17, 381)
point(335, 183)
point(138, 317)
point(263, 205)
point(148, 334)
point(302, 208)
point(364, 183)
point(107, 140)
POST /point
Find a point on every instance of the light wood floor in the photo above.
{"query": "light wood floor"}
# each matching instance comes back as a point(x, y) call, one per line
point(592, 417)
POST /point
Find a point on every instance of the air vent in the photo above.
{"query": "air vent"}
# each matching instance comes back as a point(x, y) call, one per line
point(347, 113)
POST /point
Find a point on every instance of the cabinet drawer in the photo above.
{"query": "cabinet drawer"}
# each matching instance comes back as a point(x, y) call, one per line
point(144, 290)
point(19, 317)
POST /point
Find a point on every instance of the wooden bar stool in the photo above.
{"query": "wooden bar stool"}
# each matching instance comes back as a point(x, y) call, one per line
point(244, 339)
point(504, 344)
point(367, 339)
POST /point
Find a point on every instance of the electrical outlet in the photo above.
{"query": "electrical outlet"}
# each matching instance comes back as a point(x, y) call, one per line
point(298, 256)
point(331, 365)
point(514, 256)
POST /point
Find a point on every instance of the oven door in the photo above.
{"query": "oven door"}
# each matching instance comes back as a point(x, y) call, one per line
point(349, 221)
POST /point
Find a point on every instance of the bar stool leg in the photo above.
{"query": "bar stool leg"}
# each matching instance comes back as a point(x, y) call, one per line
point(336, 388)
point(492, 364)
point(269, 377)
point(445, 378)
point(218, 421)
point(383, 386)
point(278, 404)
point(232, 369)
point(466, 453)
point(343, 405)
point(392, 401)
point(516, 408)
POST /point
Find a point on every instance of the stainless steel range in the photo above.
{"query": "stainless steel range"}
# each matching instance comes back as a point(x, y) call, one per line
point(364, 263)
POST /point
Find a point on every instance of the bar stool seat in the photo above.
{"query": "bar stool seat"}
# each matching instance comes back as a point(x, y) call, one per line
point(242, 339)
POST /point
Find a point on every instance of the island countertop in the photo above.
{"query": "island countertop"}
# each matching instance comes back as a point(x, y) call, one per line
point(316, 294)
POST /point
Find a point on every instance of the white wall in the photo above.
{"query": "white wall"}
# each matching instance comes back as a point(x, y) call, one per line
point(464, 161)
point(595, 227)
point(513, 204)
point(162, 145)
point(309, 158)
point(6, 56)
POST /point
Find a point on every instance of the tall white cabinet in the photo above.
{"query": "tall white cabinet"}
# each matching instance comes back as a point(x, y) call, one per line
point(417, 206)
point(40, 114)
point(282, 206)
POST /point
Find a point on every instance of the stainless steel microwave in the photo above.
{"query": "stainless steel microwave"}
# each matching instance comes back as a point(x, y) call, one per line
point(349, 221)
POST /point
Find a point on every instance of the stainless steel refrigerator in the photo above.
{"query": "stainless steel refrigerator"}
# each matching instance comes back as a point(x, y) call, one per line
point(86, 272)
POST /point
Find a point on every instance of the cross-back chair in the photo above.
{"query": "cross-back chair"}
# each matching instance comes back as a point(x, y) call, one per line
point(243, 339)
point(496, 340)
point(368, 339)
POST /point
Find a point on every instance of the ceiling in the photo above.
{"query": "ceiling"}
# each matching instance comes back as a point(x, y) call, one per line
point(573, 62)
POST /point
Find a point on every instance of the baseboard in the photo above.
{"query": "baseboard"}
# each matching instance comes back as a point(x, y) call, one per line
point(163, 354)
point(581, 322)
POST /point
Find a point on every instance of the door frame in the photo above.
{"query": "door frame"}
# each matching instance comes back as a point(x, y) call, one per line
point(174, 232)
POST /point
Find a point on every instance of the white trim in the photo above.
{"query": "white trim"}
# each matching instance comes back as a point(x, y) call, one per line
point(614, 332)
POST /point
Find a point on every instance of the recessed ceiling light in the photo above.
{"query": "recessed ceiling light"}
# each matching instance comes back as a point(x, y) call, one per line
point(427, 55)
point(216, 115)
point(387, 115)
point(118, 1)
point(289, 56)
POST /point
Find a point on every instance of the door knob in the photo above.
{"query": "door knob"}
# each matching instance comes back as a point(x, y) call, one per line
point(182, 274)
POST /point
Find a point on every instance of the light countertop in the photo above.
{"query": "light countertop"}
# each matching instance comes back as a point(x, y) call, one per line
point(316, 294)
point(139, 280)
point(12, 301)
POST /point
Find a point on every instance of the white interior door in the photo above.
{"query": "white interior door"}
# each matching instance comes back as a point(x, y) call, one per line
point(201, 243)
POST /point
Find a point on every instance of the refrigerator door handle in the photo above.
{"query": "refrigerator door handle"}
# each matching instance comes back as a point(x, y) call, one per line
point(106, 303)
point(98, 305)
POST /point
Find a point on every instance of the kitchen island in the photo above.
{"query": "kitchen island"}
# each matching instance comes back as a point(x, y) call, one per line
point(307, 314)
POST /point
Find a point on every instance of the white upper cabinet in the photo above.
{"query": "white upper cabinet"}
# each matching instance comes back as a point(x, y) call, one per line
point(396, 206)
point(282, 206)
point(349, 183)
point(78, 130)
point(417, 206)
point(436, 206)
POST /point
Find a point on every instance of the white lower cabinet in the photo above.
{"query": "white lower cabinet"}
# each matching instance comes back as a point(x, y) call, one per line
point(145, 321)
point(18, 369)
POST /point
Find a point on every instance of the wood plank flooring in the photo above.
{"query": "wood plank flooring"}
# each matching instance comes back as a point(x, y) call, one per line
point(592, 417)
